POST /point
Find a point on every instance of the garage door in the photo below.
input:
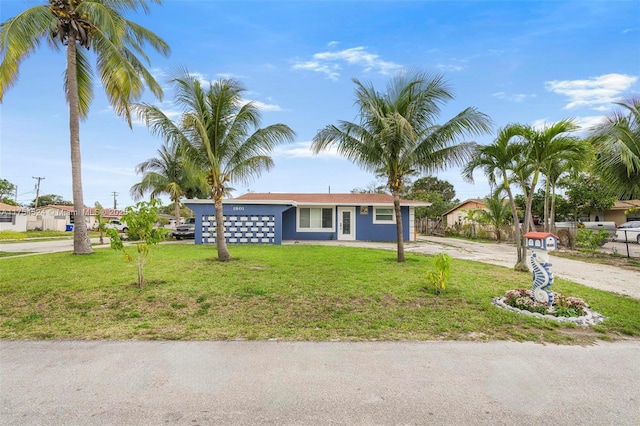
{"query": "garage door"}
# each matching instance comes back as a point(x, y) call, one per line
point(241, 229)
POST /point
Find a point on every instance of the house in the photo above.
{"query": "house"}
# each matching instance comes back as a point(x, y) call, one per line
point(541, 241)
point(57, 218)
point(270, 218)
point(12, 218)
point(458, 214)
point(616, 213)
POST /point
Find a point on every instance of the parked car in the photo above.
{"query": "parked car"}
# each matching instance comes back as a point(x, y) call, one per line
point(629, 231)
point(186, 230)
point(116, 224)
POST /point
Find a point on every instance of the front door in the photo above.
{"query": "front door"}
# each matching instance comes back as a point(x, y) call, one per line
point(346, 223)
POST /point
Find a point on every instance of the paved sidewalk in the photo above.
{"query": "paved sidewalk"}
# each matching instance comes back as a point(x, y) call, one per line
point(304, 383)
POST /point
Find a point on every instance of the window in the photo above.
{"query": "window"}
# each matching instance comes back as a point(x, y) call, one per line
point(383, 215)
point(8, 218)
point(315, 219)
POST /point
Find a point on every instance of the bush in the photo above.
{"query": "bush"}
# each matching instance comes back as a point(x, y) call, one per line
point(438, 278)
point(562, 306)
point(588, 241)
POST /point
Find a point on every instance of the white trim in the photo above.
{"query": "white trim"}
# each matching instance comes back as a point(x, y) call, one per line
point(412, 224)
point(295, 203)
point(384, 222)
point(314, 206)
point(351, 236)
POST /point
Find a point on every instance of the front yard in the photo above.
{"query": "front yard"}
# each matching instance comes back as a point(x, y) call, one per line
point(280, 292)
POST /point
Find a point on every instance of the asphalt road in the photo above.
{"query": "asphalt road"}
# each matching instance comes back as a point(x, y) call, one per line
point(304, 383)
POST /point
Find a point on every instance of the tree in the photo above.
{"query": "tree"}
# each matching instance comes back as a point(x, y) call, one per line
point(440, 193)
point(497, 214)
point(168, 173)
point(617, 143)
point(80, 25)
point(100, 221)
point(49, 199)
point(221, 135)
point(7, 192)
point(587, 193)
point(498, 161)
point(140, 220)
point(546, 145)
point(398, 134)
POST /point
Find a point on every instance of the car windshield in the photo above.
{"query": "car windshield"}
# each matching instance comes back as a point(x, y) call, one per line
point(635, 224)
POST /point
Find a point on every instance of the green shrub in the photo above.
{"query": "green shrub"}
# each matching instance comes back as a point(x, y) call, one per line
point(438, 278)
point(588, 241)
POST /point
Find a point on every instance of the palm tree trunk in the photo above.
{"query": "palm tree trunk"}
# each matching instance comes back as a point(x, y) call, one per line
point(176, 210)
point(547, 188)
point(520, 263)
point(223, 252)
point(398, 213)
point(81, 242)
point(552, 214)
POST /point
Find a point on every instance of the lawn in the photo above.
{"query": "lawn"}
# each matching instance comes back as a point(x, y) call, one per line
point(279, 292)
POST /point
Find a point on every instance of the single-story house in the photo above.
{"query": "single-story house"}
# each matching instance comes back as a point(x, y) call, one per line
point(270, 218)
point(57, 218)
point(458, 214)
point(616, 213)
point(12, 218)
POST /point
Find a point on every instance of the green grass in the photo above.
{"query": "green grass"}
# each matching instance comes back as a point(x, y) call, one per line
point(279, 292)
point(14, 235)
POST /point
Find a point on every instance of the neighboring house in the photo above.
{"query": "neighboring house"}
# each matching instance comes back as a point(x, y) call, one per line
point(458, 214)
point(616, 213)
point(57, 218)
point(272, 217)
point(12, 218)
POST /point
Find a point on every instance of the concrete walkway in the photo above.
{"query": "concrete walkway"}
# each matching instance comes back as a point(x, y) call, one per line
point(302, 383)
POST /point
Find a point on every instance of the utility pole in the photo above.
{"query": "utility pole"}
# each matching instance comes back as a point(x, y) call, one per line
point(37, 188)
point(115, 200)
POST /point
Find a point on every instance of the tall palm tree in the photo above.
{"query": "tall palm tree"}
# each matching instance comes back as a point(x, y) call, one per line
point(398, 134)
point(498, 160)
point(543, 146)
point(168, 173)
point(497, 213)
point(617, 142)
point(220, 134)
point(79, 26)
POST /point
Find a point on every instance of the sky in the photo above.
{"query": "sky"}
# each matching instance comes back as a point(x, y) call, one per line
point(528, 62)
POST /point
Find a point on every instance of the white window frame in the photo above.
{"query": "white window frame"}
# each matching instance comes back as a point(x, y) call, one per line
point(384, 222)
point(333, 219)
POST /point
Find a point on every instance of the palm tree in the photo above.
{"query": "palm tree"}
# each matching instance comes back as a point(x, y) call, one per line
point(398, 134)
point(168, 173)
point(80, 25)
point(617, 142)
point(543, 146)
point(498, 161)
point(220, 134)
point(497, 213)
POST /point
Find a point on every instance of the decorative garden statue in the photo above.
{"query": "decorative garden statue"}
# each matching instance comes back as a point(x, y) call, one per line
point(540, 243)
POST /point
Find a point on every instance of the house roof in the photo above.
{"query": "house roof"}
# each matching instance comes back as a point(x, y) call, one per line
point(9, 208)
point(317, 199)
point(627, 204)
point(89, 211)
point(540, 235)
point(469, 200)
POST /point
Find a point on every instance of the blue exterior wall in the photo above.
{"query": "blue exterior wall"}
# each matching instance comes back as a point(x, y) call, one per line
point(366, 230)
point(284, 220)
point(203, 213)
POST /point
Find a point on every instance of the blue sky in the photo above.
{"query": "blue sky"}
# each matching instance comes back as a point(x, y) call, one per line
point(526, 62)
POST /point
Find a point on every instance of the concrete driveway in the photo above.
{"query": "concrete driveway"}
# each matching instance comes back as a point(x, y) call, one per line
point(304, 383)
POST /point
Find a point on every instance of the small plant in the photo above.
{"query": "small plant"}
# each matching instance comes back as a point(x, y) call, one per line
point(100, 221)
point(141, 220)
point(438, 278)
point(588, 241)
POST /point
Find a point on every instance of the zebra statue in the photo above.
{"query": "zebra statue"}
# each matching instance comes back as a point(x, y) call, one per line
point(542, 277)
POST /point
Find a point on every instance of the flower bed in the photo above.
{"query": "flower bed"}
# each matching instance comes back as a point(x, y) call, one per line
point(564, 309)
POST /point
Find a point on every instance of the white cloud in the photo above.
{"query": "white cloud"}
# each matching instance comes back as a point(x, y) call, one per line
point(450, 67)
point(585, 123)
point(263, 106)
point(595, 92)
point(513, 97)
point(303, 150)
point(328, 63)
